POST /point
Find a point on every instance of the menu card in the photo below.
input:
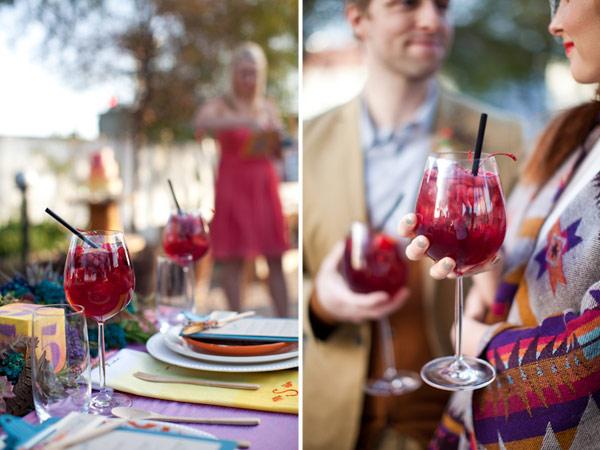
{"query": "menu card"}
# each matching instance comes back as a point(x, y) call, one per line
point(130, 435)
point(253, 329)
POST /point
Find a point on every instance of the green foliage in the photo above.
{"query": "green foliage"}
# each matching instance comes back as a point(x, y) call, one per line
point(174, 51)
point(11, 366)
point(49, 293)
point(114, 338)
point(135, 333)
point(43, 236)
point(496, 42)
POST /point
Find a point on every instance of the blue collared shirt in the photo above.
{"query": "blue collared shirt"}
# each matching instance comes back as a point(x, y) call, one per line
point(394, 160)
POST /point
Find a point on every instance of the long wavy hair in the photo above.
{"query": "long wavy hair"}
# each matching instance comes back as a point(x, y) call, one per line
point(565, 134)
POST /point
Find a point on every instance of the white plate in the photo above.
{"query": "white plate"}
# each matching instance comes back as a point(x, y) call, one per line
point(175, 343)
point(157, 347)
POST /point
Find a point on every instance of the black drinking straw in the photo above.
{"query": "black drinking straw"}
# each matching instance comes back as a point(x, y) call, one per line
point(179, 211)
point(70, 228)
point(479, 144)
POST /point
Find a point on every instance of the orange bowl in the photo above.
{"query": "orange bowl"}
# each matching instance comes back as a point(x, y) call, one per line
point(237, 350)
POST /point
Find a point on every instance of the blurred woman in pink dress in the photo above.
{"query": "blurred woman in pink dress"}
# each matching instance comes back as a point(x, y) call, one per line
point(248, 219)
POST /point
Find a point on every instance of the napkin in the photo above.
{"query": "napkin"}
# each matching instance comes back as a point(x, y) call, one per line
point(278, 392)
point(136, 435)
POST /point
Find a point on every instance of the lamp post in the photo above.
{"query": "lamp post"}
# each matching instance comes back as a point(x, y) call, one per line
point(21, 181)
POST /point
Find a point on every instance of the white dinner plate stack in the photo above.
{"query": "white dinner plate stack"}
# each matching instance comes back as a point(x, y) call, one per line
point(170, 348)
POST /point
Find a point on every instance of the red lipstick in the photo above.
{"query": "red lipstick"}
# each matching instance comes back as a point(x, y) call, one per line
point(569, 46)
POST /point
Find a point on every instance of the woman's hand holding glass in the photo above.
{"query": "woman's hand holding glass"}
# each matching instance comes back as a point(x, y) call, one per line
point(444, 268)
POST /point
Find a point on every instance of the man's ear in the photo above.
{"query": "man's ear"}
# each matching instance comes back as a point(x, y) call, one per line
point(356, 18)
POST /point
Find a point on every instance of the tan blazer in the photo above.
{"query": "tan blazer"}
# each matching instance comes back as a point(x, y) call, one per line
point(334, 196)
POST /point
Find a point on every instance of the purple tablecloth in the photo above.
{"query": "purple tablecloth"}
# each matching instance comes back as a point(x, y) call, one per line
point(275, 432)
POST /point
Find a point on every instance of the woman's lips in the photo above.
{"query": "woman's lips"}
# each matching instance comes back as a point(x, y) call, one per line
point(569, 46)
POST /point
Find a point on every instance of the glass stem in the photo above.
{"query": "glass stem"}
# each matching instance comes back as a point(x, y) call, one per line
point(386, 336)
point(190, 285)
point(458, 312)
point(102, 355)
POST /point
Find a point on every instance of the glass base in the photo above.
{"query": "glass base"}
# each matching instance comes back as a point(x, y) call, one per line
point(452, 374)
point(401, 383)
point(104, 401)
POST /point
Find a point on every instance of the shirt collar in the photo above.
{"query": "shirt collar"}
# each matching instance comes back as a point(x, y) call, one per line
point(422, 121)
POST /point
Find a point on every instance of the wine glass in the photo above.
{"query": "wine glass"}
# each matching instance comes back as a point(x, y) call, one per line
point(185, 241)
point(373, 262)
point(100, 278)
point(463, 217)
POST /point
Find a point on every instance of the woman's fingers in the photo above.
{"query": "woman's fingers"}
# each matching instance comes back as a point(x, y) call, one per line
point(496, 262)
point(417, 248)
point(442, 268)
point(407, 226)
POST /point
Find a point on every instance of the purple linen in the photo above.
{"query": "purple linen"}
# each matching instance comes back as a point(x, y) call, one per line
point(275, 432)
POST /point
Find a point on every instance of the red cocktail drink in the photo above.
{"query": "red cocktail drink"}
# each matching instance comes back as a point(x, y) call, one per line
point(374, 264)
point(101, 280)
point(462, 215)
point(185, 236)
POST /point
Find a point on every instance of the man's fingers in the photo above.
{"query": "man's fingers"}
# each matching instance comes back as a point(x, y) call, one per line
point(386, 308)
point(366, 302)
point(333, 257)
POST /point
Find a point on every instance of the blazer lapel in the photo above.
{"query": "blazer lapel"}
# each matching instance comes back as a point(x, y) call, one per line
point(352, 190)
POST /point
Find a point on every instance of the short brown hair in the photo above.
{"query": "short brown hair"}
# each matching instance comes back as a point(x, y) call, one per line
point(360, 4)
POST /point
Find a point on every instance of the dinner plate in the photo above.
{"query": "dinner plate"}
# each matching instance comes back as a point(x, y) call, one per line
point(158, 348)
point(177, 344)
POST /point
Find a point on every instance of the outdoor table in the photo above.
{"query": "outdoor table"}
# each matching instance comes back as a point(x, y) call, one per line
point(276, 431)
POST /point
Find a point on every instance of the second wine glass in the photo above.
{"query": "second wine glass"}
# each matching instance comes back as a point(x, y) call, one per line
point(373, 262)
point(461, 211)
point(185, 241)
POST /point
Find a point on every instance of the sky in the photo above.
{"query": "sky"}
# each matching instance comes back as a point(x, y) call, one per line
point(35, 102)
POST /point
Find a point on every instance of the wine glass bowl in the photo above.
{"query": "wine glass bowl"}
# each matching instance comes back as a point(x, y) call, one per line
point(99, 279)
point(374, 262)
point(186, 233)
point(462, 214)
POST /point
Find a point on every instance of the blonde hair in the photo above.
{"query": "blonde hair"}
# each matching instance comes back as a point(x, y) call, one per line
point(253, 52)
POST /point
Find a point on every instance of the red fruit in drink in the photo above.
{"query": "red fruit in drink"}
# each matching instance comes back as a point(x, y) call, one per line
point(185, 236)
point(380, 266)
point(465, 219)
point(100, 280)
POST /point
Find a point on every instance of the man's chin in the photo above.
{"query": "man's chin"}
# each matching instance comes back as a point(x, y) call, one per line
point(419, 71)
